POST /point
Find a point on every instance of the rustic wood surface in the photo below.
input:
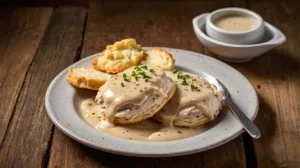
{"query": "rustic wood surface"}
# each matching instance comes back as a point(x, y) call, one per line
point(38, 42)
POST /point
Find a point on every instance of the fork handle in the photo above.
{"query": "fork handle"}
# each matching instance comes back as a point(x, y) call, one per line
point(245, 121)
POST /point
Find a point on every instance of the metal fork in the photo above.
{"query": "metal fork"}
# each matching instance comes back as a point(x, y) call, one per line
point(245, 121)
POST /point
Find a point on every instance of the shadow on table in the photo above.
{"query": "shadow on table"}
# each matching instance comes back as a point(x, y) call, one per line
point(276, 64)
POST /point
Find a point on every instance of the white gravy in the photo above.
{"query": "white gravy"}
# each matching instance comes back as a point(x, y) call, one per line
point(147, 130)
point(236, 23)
point(198, 97)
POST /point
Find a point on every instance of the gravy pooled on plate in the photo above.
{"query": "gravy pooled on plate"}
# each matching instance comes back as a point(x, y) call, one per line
point(147, 130)
point(193, 99)
point(236, 23)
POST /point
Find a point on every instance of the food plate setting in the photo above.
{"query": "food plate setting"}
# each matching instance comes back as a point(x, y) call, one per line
point(64, 106)
point(157, 102)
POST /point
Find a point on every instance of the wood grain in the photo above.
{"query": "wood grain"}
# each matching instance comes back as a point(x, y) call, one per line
point(278, 86)
point(151, 23)
point(21, 31)
point(275, 76)
point(29, 133)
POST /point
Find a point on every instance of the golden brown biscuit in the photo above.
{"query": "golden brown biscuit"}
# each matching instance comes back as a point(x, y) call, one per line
point(87, 78)
point(195, 102)
point(140, 94)
point(159, 58)
point(119, 56)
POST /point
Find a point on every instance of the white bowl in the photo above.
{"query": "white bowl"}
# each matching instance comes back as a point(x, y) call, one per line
point(246, 37)
point(238, 53)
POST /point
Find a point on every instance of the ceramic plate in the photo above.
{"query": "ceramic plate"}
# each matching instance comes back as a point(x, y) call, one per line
point(63, 100)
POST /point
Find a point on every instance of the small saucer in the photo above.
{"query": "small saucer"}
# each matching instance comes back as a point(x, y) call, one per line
point(238, 53)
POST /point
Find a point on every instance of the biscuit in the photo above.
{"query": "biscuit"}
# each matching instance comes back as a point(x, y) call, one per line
point(195, 102)
point(156, 93)
point(159, 58)
point(87, 78)
point(119, 56)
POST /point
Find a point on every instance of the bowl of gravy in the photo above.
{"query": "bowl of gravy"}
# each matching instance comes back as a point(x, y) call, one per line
point(235, 26)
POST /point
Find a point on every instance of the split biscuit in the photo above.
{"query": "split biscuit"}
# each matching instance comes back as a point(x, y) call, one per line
point(87, 78)
point(119, 56)
point(159, 58)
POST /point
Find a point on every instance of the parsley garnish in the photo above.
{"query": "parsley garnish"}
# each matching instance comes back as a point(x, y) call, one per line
point(125, 77)
point(144, 67)
point(184, 82)
point(177, 71)
point(122, 84)
point(151, 70)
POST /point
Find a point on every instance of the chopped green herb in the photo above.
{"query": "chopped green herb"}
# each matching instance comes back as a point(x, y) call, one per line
point(193, 87)
point(146, 77)
point(185, 77)
point(137, 68)
point(177, 71)
point(122, 84)
point(142, 73)
point(144, 67)
point(125, 77)
point(136, 78)
point(133, 73)
point(146, 80)
point(151, 70)
point(184, 83)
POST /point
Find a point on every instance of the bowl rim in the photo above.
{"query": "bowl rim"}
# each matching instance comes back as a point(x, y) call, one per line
point(239, 10)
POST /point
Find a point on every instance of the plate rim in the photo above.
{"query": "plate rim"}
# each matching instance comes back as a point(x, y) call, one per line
point(79, 139)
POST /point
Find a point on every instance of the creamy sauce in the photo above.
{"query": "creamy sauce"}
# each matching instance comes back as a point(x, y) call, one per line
point(123, 93)
point(236, 23)
point(132, 87)
point(196, 95)
point(147, 130)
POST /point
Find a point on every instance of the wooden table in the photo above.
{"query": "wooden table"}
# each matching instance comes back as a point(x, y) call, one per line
point(36, 43)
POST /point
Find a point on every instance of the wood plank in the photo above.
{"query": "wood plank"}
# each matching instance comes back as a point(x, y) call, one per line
point(279, 88)
point(29, 134)
point(151, 23)
point(21, 31)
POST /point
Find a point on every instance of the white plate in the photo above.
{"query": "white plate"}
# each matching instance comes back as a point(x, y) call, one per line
point(62, 102)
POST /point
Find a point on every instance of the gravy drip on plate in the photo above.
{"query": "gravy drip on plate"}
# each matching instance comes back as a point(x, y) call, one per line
point(147, 130)
point(236, 23)
point(192, 92)
point(133, 86)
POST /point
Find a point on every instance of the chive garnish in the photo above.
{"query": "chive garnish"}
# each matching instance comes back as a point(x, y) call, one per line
point(184, 83)
point(144, 67)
